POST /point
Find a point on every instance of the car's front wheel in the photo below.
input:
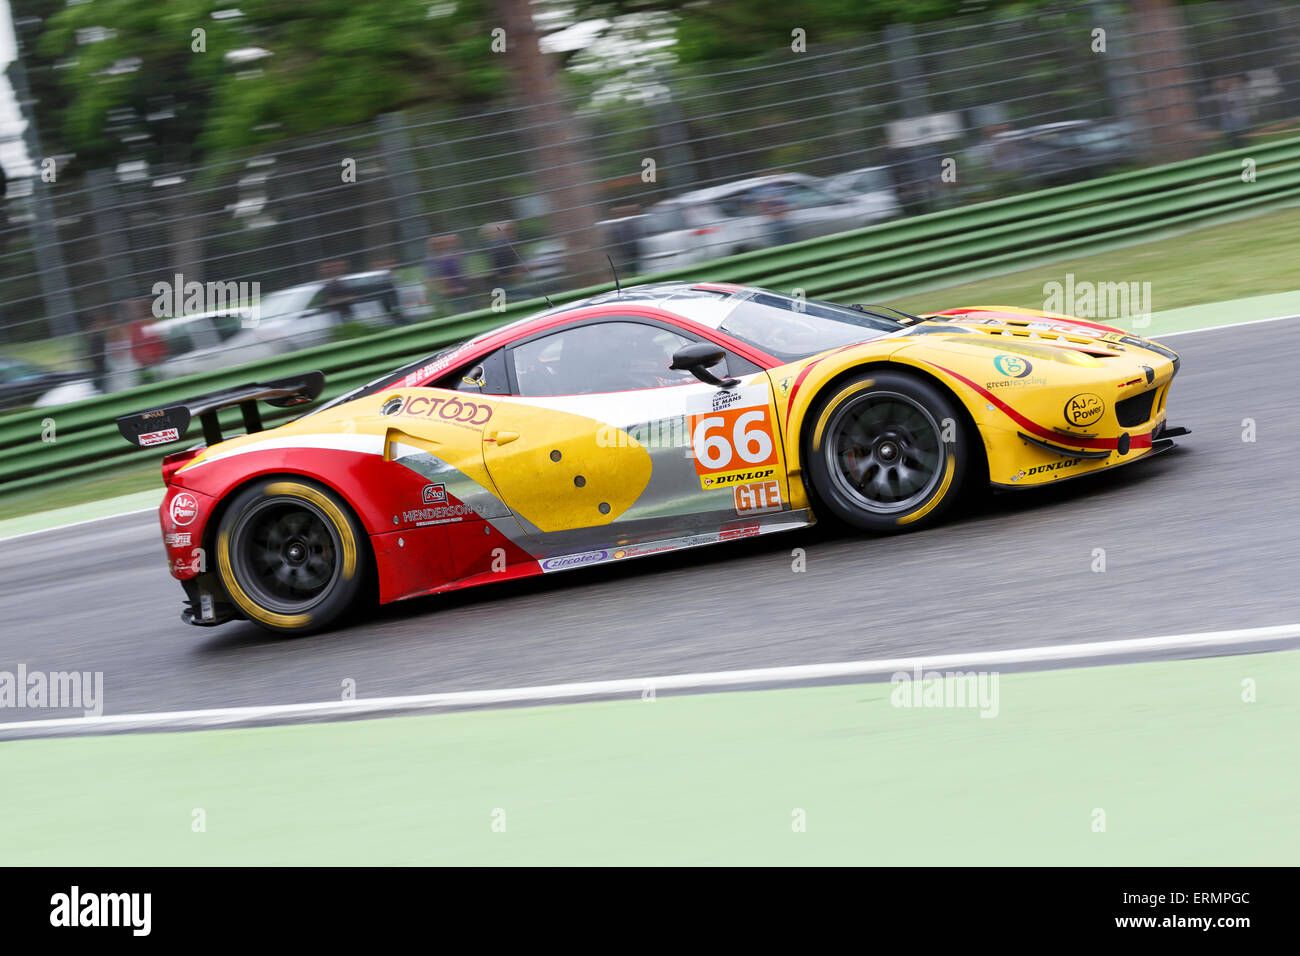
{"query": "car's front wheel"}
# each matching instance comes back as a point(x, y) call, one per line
point(886, 451)
point(290, 555)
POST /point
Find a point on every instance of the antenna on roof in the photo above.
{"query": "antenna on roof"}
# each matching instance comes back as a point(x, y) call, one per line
point(617, 285)
point(531, 277)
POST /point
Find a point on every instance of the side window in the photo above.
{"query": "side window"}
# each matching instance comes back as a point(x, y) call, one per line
point(226, 325)
point(487, 376)
point(602, 357)
point(800, 194)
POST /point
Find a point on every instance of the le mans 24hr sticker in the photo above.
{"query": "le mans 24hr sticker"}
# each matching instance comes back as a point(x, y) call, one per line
point(731, 437)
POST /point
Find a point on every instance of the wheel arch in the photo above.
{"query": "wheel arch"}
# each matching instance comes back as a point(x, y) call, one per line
point(895, 363)
point(209, 540)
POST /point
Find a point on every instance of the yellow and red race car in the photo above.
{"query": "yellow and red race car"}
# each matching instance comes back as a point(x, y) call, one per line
point(637, 422)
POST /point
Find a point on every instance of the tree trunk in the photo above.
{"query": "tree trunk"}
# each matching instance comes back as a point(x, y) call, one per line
point(1167, 97)
point(561, 170)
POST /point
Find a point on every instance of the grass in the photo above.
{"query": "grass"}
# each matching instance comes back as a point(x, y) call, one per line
point(65, 352)
point(1231, 261)
point(17, 504)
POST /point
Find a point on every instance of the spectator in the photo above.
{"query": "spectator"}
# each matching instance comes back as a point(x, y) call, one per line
point(121, 369)
point(775, 210)
point(626, 230)
point(97, 329)
point(911, 178)
point(336, 297)
point(444, 270)
point(501, 256)
point(1234, 110)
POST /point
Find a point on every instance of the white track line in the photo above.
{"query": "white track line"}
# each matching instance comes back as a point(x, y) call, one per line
point(283, 713)
point(77, 524)
point(1215, 328)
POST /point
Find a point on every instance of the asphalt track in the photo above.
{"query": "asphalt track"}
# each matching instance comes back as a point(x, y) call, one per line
point(1199, 539)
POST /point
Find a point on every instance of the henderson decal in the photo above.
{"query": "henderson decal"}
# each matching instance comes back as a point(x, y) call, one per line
point(447, 514)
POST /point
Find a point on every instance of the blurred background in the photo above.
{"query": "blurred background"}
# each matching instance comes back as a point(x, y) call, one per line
point(372, 164)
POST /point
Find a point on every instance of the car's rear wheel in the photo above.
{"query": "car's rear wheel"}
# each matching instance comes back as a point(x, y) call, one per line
point(886, 451)
point(290, 555)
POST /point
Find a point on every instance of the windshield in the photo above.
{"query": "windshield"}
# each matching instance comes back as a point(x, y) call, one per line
point(789, 329)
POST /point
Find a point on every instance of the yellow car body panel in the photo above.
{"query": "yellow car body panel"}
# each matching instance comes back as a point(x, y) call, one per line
point(1027, 392)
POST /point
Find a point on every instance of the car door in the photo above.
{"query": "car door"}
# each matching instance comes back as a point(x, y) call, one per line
point(602, 446)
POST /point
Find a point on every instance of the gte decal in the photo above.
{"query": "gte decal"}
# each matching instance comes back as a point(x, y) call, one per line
point(757, 498)
point(448, 409)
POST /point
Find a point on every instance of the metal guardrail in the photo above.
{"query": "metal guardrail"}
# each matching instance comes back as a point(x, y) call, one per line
point(872, 263)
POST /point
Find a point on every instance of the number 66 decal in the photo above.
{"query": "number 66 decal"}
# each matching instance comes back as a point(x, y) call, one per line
point(737, 438)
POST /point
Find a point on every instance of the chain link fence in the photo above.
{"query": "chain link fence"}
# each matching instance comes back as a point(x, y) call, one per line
point(136, 274)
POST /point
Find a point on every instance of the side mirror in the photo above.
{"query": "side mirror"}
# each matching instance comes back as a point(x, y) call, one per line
point(697, 358)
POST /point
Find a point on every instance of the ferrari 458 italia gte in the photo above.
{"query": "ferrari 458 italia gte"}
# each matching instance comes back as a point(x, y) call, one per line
point(637, 422)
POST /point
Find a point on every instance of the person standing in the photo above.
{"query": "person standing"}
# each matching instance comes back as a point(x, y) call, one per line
point(1234, 110)
point(444, 270)
point(626, 230)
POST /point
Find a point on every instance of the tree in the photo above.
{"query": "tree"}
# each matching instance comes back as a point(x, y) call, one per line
point(1166, 97)
point(729, 30)
point(560, 148)
point(186, 80)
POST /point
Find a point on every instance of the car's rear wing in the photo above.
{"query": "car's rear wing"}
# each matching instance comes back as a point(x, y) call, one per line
point(161, 426)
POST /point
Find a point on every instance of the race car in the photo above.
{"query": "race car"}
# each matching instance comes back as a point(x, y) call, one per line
point(636, 422)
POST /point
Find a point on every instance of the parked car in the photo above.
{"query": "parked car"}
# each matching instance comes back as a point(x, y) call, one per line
point(872, 187)
point(286, 321)
point(21, 383)
point(1052, 154)
point(750, 214)
point(545, 259)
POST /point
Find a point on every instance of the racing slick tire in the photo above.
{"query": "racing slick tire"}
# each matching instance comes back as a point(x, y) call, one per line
point(886, 452)
point(290, 554)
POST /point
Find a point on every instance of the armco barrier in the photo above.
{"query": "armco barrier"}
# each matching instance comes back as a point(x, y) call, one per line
point(866, 264)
